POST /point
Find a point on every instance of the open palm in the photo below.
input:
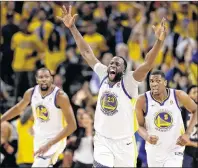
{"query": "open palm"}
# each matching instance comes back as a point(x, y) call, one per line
point(160, 32)
point(66, 17)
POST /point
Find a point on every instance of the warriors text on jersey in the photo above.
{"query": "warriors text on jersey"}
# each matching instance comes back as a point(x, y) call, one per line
point(165, 121)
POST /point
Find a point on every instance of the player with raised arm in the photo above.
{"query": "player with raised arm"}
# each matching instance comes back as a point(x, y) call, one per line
point(161, 124)
point(53, 118)
point(114, 141)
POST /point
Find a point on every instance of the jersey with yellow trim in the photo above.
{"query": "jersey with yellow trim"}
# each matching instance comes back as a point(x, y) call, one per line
point(48, 118)
point(115, 116)
point(165, 121)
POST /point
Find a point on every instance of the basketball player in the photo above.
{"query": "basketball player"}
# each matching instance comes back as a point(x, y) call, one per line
point(191, 150)
point(51, 110)
point(159, 111)
point(114, 141)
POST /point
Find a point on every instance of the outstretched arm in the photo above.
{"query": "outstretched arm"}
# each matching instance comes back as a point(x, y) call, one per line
point(191, 106)
point(141, 72)
point(19, 107)
point(140, 108)
point(84, 48)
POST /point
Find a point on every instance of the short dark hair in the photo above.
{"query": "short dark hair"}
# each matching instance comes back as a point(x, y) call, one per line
point(158, 72)
point(190, 88)
point(43, 69)
point(125, 62)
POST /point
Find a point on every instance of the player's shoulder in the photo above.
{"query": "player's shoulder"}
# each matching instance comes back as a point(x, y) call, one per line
point(30, 91)
point(180, 93)
point(28, 94)
point(128, 77)
point(61, 94)
point(141, 98)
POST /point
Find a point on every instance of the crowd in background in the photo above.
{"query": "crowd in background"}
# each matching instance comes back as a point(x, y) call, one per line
point(32, 37)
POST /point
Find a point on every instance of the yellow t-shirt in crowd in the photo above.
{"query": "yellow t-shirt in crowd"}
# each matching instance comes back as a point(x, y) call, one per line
point(97, 42)
point(193, 73)
point(54, 58)
point(4, 11)
point(192, 26)
point(27, 8)
point(25, 152)
point(48, 27)
point(23, 46)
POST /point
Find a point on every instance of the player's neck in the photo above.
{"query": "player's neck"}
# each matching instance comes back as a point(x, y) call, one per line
point(161, 97)
point(112, 83)
point(44, 93)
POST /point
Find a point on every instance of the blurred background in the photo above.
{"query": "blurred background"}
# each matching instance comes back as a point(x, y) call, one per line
point(32, 37)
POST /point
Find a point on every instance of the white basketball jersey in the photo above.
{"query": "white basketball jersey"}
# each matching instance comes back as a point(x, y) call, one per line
point(165, 121)
point(114, 117)
point(48, 119)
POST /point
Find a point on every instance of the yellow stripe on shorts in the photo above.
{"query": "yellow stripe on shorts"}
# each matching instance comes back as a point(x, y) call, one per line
point(135, 126)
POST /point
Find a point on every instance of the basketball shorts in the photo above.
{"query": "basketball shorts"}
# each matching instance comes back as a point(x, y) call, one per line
point(114, 152)
point(51, 156)
point(173, 159)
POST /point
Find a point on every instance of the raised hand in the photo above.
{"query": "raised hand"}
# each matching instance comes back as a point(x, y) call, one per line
point(66, 17)
point(160, 31)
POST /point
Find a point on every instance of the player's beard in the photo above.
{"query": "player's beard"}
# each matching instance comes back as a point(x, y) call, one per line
point(44, 88)
point(117, 77)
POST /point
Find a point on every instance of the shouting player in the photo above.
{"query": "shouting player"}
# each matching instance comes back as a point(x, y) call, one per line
point(114, 142)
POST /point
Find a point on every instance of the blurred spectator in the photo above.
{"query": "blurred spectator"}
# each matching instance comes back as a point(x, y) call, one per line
point(26, 47)
point(71, 147)
point(190, 153)
point(8, 146)
point(58, 81)
point(117, 33)
point(28, 7)
point(8, 8)
point(8, 31)
point(74, 72)
point(96, 41)
point(55, 52)
point(83, 97)
point(41, 25)
point(83, 155)
point(4, 97)
point(25, 152)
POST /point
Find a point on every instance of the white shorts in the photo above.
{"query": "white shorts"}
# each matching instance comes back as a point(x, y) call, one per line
point(51, 156)
point(173, 159)
point(114, 152)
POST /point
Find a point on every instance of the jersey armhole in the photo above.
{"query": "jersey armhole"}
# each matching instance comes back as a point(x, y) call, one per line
point(103, 81)
point(177, 103)
point(32, 95)
point(122, 83)
point(55, 99)
point(145, 113)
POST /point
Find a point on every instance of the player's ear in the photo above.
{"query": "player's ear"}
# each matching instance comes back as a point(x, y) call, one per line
point(165, 82)
point(36, 79)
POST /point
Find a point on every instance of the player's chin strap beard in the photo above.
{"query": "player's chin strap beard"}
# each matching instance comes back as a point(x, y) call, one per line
point(118, 77)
